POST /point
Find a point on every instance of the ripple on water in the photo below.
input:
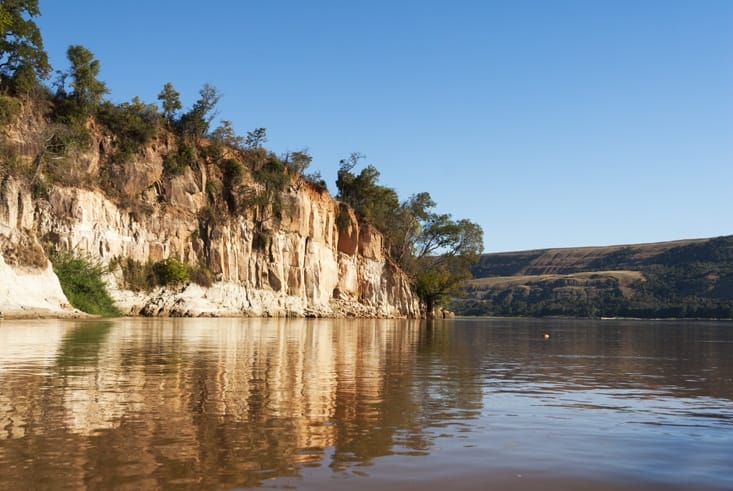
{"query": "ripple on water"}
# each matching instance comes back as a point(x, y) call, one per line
point(211, 404)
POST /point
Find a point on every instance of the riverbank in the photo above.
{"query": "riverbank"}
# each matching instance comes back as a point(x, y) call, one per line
point(28, 293)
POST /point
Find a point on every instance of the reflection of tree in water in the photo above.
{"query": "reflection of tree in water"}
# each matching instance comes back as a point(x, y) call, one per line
point(373, 401)
point(427, 384)
point(293, 411)
point(80, 347)
point(227, 403)
point(449, 385)
point(297, 396)
point(148, 404)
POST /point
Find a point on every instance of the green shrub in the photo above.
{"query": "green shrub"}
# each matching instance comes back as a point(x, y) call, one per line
point(273, 179)
point(201, 275)
point(64, 137)
point(177, 163)
point(316, 180)
point(24, 81)
point(232, 170)
point(134, 124)
point(60, 155)
point(10, 161)
point(170, 272)
point(82, 283)
point(9, 109)
point(139, 276)
point(40, 187)
point(214, 152)
point(213, 188)
point(68, 111)
point(343, 219)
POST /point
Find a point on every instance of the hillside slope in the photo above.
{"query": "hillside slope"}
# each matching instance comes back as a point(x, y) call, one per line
point(687, 278)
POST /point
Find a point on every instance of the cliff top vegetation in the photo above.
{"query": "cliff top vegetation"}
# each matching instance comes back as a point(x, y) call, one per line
point(57, 119)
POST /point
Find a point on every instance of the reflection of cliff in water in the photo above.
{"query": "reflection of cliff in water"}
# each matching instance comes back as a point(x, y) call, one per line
point(219, 403)
point(225, 402)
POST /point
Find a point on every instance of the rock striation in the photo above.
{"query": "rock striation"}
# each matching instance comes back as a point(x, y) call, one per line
point(309, 266)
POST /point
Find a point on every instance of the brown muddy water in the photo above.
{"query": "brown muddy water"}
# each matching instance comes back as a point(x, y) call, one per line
point(365, 404)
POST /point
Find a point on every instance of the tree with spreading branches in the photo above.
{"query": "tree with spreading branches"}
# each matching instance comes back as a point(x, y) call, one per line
point(23, 60)
point(434, 248)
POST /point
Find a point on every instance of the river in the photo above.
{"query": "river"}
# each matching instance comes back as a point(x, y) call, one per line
point(468, 404)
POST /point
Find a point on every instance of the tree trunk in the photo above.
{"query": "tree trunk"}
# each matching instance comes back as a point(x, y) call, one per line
point(429, 307)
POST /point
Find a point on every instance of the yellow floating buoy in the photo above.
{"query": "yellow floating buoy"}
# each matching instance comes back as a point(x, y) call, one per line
point(546, 335)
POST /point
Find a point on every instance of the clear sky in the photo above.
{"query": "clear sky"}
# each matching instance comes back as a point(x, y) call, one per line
point(551, 123)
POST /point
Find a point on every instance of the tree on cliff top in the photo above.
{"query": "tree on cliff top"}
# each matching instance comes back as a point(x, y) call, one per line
point(195, 123)
point(87, 90)
point(83, 95)
point(436, 249)
point(376, 203)
point(22, 57)
point(170, 100)
point(256, 138)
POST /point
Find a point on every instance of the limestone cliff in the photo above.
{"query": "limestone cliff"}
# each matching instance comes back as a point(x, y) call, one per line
point(308, 266)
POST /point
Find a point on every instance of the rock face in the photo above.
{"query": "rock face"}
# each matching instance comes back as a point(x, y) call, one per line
point(306, 267)
point(28, 285)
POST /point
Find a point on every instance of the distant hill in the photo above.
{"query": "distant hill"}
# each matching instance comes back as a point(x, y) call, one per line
point(686, 278)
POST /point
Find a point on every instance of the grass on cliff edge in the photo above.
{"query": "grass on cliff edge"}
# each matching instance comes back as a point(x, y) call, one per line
point(82, 283)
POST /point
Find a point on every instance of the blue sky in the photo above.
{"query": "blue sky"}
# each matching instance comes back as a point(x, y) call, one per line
point(551, 123)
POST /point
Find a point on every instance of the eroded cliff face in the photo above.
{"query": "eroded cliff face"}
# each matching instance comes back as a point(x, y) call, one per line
point(306, 267)
point(28, 285)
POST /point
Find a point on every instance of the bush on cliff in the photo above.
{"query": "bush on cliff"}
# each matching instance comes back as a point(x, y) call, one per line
point(170, 272)
point(9, 109)
point(138, 276)
point(82, 283)
point(175, 164)
point(134, 124)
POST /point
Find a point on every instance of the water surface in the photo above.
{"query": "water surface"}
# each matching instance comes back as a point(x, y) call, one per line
point(368, 404)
